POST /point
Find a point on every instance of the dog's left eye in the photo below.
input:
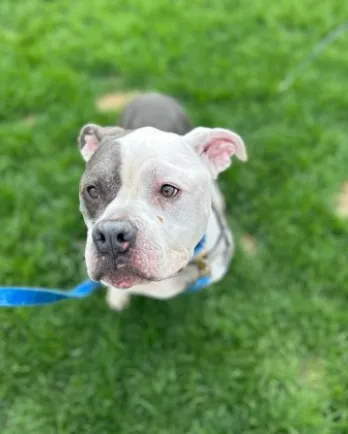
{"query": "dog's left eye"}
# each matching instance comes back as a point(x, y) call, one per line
point(168, 190)
point(92, 191)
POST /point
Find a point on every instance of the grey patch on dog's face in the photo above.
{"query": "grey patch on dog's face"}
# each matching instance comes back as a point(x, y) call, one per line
point(103, 172)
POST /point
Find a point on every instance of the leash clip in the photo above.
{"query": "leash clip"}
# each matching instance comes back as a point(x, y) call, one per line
point(201, 262)
point(203, 279)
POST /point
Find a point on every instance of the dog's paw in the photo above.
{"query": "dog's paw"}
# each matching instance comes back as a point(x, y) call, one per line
point(117, 300)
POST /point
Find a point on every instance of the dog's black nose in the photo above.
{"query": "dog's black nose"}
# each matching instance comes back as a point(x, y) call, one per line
point(113, 236)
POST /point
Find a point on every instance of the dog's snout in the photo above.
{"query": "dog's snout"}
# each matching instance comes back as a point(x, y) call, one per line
point(113, 236)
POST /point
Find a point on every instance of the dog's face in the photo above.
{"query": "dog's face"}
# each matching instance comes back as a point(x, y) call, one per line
point(145, 196)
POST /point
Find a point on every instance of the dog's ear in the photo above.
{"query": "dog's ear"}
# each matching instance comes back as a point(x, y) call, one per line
point(217, 146)
point(91, 136)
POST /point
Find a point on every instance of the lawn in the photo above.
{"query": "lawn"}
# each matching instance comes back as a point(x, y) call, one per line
point(265, 351)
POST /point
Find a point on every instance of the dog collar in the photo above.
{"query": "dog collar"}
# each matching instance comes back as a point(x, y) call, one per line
point(11, 296)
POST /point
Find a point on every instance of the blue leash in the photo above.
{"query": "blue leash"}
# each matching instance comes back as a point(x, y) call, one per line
point(22, 296)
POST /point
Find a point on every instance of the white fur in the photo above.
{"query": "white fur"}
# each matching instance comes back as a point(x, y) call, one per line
point(169, 229)
point(118, 299)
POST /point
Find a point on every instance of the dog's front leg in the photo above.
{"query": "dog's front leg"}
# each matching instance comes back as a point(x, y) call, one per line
point(117, 299)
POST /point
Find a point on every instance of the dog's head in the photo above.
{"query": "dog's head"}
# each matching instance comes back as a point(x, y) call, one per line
point(145, 196)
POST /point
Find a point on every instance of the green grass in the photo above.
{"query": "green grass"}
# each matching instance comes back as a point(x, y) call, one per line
point(265, 351)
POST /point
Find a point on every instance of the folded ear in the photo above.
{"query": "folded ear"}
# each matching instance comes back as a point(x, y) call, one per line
point(217, 146)
point(91, 136)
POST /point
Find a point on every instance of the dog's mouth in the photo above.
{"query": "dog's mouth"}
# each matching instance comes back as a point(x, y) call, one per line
point(119, 273)
point(121, 277)
point(125, 276)
point(126, 270)
point(122, 280)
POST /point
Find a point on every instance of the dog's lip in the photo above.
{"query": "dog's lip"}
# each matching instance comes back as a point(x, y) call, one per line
point(126, 277)
point(121, 282)
point(121, 270)
point(123, 276)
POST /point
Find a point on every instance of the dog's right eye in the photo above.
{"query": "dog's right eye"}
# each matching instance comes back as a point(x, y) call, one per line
point(92, 191)
point(168, 190)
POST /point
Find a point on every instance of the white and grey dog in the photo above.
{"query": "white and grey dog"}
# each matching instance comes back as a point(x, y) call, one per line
point(149, 196)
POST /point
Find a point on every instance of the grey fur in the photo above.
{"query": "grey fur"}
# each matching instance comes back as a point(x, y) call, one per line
point(103, 171)
point(155, 110)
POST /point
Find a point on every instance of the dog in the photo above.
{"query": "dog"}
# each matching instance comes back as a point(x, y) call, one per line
point(149, 198)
